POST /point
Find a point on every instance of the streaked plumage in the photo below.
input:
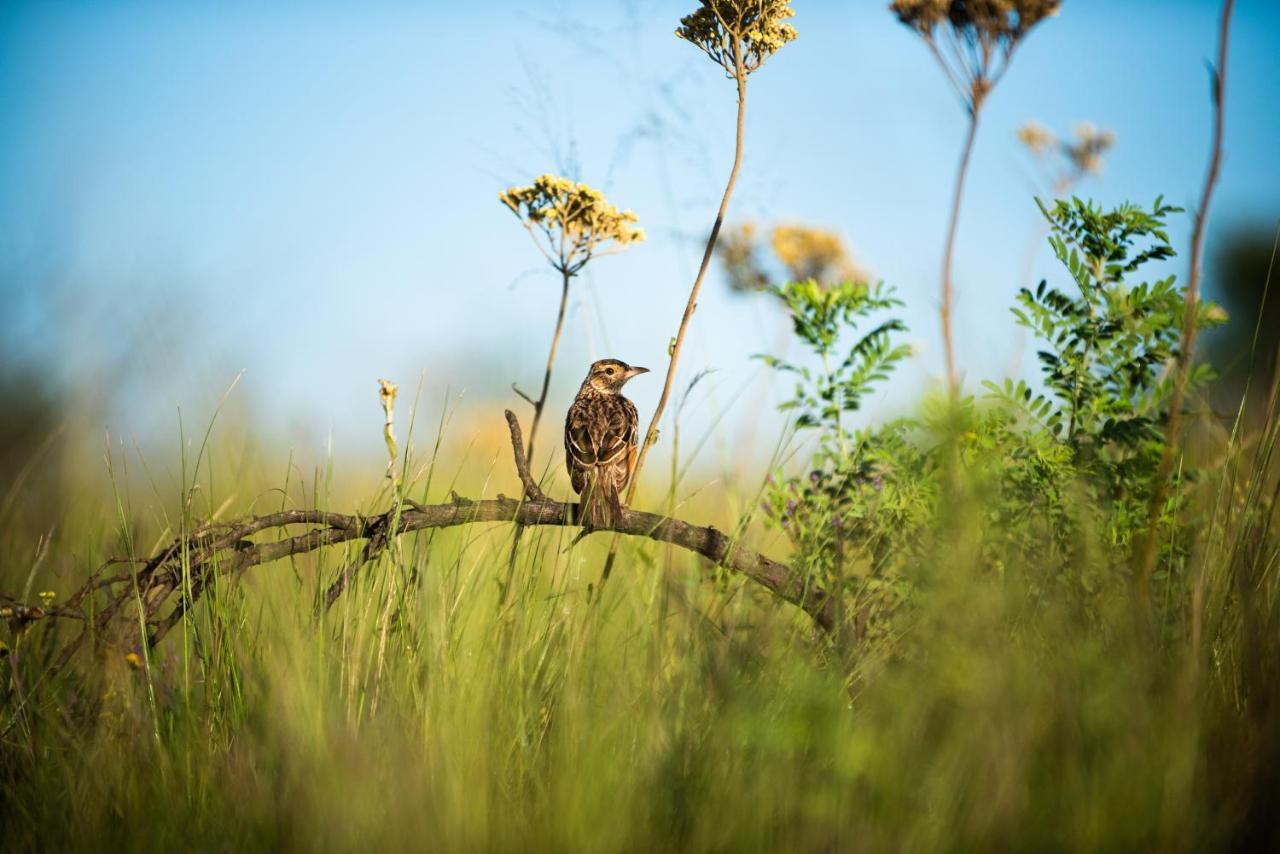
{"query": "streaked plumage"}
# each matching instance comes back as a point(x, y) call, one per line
point(601, 433)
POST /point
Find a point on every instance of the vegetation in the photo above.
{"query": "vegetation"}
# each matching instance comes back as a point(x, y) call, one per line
point(971, 665)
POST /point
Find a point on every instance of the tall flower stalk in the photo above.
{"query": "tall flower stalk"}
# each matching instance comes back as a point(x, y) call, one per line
point(1147, 557)
point(737, 35)
point(570, 224)
point(974, 42)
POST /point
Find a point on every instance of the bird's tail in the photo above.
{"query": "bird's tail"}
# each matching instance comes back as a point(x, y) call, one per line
point(601, 502)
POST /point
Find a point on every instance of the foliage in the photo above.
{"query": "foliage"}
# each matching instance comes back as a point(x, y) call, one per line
point(1108, 347)
point(861, 487)
point(1051, 465)
point(733, 31)
point(574, 220)
point(825, 319)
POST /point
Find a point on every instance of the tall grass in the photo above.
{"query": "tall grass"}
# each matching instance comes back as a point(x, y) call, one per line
point(682, 710)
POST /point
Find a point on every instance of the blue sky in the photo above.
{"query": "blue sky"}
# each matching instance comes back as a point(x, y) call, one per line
point(308, 191)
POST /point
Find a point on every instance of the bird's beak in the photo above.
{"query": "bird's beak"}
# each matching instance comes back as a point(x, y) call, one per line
point(631, 372)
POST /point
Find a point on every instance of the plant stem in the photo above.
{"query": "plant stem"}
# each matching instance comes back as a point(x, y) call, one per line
point(838, 404)
point(949, 250)
point(551, 360)
point(692, 304)
point(651, 434)
point(538, 406)
point(1160, 491)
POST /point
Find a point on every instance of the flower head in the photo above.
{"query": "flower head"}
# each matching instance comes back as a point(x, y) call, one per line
point(981, 34)
point(1075, 159)
point(1038, 139)
point(814, 253)
point(739, 35)
point(576, 221)
point(1085, 153)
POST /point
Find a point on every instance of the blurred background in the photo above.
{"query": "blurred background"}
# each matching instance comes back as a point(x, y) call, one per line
point(307, 193)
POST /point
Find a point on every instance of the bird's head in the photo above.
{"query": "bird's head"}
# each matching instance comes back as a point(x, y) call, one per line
point(607, 376)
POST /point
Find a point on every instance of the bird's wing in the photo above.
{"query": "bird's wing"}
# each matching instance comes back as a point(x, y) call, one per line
point(613, 431)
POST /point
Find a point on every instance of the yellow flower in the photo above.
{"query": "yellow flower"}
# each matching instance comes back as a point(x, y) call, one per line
point(1036, 137)
point(814, 253)
point(574, 221)
point(729, 30)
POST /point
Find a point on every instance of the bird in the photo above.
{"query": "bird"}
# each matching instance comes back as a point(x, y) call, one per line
point(600, 437)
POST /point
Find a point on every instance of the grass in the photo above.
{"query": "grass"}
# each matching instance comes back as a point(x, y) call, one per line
point(684, 710)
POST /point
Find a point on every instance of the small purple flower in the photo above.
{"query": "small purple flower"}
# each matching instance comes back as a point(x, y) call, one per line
point(770, 480)
point(795, 489)
point(815, 477)
point(764, 505)
point(791, 507)
point(835, 522)
point(785, 521)
point(878, 484)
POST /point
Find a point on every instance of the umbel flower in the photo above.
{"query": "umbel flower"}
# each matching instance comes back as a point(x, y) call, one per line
point(571, 222)
point(726, 30)
point(973, 39)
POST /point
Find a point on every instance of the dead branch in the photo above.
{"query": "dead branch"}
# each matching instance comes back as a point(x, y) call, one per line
point(182, 571)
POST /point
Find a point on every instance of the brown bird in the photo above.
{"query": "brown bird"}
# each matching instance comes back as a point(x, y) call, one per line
point(600, 436)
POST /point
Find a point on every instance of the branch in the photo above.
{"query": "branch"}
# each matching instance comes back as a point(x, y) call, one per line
point(226, 550)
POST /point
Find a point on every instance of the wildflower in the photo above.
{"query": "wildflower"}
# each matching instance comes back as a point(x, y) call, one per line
point(133, 661)
point(791, 507)
point(978, 37)
point(815, 253)
point(1037, 138)
point(1090, 144)
point(729, 31)
point(1215, 314)
point(815, 477)
point(575, 221)
point(387, 392)
point(878, 484)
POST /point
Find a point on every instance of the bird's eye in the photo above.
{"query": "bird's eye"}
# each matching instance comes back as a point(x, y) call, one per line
point(609, 371)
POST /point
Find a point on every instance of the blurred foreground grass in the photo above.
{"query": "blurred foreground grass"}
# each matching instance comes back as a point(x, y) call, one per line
point(684, 710)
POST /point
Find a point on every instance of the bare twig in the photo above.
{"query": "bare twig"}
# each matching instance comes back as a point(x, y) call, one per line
point(1160, 493)
point(231, 552)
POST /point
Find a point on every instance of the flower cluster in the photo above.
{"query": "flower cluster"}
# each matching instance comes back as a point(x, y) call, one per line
point(739, 35)
point(980, 36)
point(800, 253)
point(814, 253)
point(574, 220)
point(1079, 157)
point(1007, 19)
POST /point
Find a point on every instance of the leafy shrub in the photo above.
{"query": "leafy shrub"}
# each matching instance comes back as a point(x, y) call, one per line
point(1063, 469)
